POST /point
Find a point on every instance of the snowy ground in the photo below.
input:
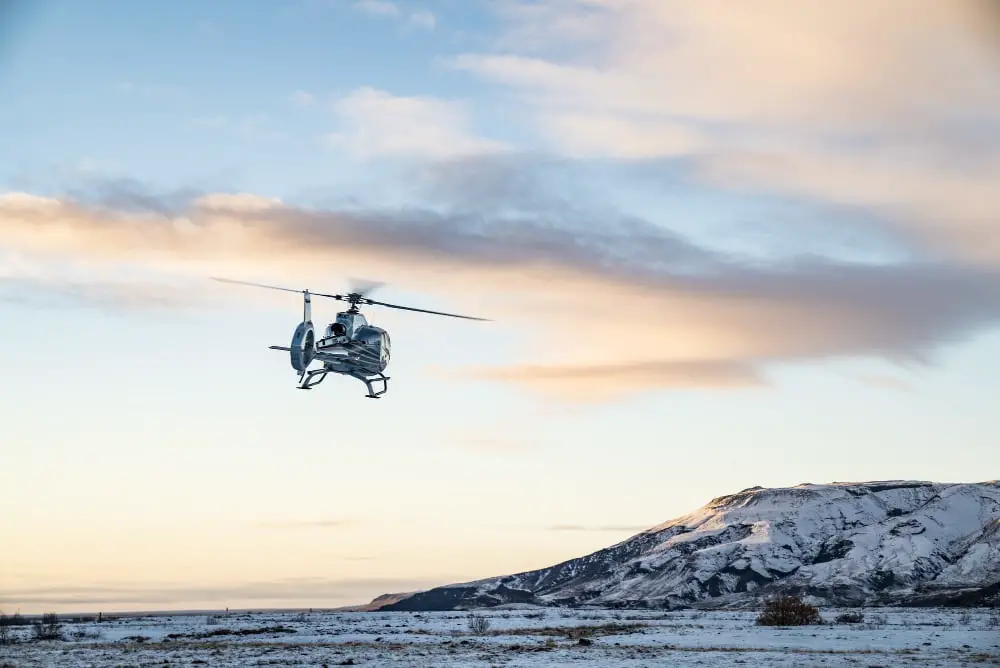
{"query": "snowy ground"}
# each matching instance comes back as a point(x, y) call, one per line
point(517, 637)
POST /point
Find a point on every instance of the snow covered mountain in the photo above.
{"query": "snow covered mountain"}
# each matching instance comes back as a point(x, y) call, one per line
point(895, 542)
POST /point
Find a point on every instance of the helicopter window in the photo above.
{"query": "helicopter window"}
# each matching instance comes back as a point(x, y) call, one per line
point(338, 329)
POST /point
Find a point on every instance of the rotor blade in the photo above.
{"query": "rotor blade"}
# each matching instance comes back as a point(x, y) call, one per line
point(363, 300)
point(422, 310)
point(275, 287)
point(342, 298)
point(258, 285)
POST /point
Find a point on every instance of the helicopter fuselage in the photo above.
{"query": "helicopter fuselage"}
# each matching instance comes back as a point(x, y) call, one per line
point(351, 341)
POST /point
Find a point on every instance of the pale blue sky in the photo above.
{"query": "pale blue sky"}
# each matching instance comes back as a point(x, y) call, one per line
point(813, 308)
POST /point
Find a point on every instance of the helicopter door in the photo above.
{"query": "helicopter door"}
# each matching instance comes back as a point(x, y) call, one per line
point(385, 350)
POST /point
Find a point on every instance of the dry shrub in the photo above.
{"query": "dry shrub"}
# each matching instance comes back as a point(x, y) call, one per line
point(49, 628)
point(478, 624)
point(788, 611)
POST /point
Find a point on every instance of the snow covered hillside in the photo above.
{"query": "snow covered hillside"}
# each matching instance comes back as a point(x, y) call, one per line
point(894, 543)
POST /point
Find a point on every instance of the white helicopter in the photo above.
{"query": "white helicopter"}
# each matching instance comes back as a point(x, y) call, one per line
point(351, 346)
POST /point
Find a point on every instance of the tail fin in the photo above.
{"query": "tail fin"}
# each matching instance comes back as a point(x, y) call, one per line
point(306, 306)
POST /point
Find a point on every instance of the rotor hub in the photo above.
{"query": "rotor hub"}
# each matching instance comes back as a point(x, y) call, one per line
point(354, 299)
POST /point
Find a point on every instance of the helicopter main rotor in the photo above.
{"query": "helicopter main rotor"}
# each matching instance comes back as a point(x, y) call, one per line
point(355, 298)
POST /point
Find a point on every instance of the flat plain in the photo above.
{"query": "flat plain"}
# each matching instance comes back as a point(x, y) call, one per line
point(515, 636)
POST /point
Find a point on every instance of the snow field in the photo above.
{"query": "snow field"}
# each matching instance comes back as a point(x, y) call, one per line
point(517, 637)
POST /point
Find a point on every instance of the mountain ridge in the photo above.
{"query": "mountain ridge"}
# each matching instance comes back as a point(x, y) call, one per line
point(886, 542)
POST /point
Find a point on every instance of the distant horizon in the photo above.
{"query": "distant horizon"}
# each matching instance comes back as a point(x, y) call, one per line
point(167, 612)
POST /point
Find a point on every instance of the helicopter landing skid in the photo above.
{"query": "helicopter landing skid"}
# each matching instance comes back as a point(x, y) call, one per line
point(308, 383)
point(372, 394)
point(316, 376)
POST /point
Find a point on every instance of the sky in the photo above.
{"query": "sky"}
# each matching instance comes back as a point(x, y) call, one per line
point(721, 245)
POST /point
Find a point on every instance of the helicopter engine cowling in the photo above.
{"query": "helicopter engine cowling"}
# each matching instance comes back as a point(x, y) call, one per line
point(303, 346)
point(375, 349)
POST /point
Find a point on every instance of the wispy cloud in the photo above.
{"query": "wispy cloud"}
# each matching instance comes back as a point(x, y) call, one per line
point(421, 18)
point(105, 295)
point(890, 108)
point(598, 382)
point(377, 7)
point(887, 382)
point(301, 98)
point(376, 123)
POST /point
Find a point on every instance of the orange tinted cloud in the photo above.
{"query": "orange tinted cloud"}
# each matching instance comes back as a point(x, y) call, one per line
point(617, 307)
point(599, 382)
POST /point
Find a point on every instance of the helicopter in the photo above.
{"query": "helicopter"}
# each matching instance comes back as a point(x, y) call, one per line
point(350, 346)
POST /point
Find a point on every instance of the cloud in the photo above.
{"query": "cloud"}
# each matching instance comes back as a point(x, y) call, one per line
point(125, 195)
point(600, 382)
point(420, 18)
point(377, 7)
point(423, 19)
point(301, 98)
point(105, 295)
point(377, 123)
point(888, 383)
point(891, 108)
point(617, 304)
point(882, 117)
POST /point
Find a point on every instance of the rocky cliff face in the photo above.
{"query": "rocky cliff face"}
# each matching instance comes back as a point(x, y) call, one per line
point(897, 542)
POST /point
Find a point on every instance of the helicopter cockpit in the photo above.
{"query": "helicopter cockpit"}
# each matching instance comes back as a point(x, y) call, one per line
point(343, 329)
point(348, 323)
point(335, 335)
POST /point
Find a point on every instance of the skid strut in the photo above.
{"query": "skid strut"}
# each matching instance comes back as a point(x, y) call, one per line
point(380, 378)
point(307, 381)
point(313, 378)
